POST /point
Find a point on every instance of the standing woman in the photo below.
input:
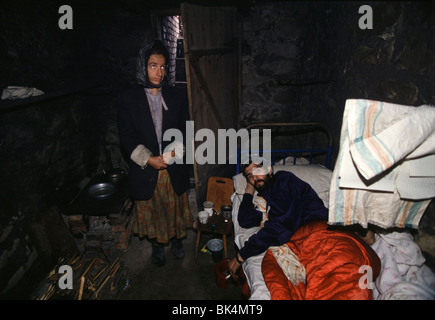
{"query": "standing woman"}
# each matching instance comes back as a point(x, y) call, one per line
point(158, 180)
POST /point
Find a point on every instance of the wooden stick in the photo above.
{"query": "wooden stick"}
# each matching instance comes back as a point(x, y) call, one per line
point(88, 268)
point(101, 287)
point(82, 283)
point(100, 272)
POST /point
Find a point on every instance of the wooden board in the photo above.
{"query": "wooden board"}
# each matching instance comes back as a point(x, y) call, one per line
point(212, 56)
point(219, 191)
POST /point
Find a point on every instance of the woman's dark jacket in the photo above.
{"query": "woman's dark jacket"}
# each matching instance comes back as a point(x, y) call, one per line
point(136, 127)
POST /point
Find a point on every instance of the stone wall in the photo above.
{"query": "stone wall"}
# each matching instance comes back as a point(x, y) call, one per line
point(52, 145)
point(302, 60)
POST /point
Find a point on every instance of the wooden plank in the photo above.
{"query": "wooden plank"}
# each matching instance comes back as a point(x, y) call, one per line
point(204, 88)
point(211, 45)
point(206, 52)
point(219, 191)
point(186, 45)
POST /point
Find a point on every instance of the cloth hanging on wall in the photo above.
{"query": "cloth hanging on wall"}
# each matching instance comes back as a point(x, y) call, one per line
point(374, 180)
point(14, 93)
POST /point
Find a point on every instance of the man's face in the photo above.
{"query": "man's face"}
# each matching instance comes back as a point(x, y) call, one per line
point(156, 68)
point(258, 176)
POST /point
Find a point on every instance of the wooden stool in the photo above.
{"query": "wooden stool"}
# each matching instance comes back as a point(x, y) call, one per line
point(218, 225)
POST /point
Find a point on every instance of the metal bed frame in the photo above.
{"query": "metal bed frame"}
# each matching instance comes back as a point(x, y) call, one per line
point(297, 152)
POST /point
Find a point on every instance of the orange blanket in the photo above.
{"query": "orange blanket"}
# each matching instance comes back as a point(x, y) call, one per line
point(332, 260)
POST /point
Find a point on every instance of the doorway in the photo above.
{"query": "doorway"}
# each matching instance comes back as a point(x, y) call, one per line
point(205, 43)
point(168, 27)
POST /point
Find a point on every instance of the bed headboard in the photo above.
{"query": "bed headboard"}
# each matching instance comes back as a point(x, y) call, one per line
point(295, 133)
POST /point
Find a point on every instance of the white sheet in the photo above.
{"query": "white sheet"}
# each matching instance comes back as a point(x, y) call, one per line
point(319, 177)
point(404, 276)
point(252, 265)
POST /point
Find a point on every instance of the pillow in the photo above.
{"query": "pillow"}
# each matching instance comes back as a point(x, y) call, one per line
point(317, 176)
point(239, 183)
point(292, 161)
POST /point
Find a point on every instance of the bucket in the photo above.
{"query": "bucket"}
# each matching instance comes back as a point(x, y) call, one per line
point(222, 279)
point(222, 272)
point(216, 246)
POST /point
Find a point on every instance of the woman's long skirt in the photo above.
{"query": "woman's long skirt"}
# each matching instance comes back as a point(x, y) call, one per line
point(165, 215)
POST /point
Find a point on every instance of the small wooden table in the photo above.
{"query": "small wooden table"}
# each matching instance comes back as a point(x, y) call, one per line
point(216, 224)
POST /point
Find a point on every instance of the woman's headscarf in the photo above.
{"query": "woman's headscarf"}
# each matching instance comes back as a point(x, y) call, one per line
point(152, 47)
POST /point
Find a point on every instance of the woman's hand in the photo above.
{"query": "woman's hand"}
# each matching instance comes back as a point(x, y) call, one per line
point(167, 156)
point(157, 162)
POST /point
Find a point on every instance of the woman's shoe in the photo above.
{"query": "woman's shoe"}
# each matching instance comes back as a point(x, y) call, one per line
point(177, 248)
point(158, 254)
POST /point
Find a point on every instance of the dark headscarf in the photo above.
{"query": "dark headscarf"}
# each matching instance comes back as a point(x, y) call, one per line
point(152, 47)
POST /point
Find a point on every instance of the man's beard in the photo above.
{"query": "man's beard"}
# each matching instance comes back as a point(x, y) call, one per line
point(264, 185)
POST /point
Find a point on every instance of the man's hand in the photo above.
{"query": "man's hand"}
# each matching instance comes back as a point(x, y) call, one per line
point(234, 265)
point(249, 187)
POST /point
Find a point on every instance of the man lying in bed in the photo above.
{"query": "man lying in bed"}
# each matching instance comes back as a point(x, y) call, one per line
point(290, 204)
point(294, 219)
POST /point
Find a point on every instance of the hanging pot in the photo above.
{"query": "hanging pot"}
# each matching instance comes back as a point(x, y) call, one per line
point(115, 175)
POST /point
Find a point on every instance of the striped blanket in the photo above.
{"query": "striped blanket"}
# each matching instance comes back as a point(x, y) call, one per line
point(378, 143)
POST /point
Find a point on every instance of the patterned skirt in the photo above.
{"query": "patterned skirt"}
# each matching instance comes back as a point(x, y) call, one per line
point(165, 215)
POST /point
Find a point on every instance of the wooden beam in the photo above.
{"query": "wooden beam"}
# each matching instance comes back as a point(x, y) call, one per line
point(210, 52)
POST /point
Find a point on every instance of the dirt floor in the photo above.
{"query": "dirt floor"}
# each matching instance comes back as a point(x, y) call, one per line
point(192, 278)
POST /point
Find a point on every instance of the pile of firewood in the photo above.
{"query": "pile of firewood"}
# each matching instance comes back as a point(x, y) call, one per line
point(91, 279)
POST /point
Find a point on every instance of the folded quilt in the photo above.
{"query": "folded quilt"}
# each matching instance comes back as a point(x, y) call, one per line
point(377, 143)
point(382, 134)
